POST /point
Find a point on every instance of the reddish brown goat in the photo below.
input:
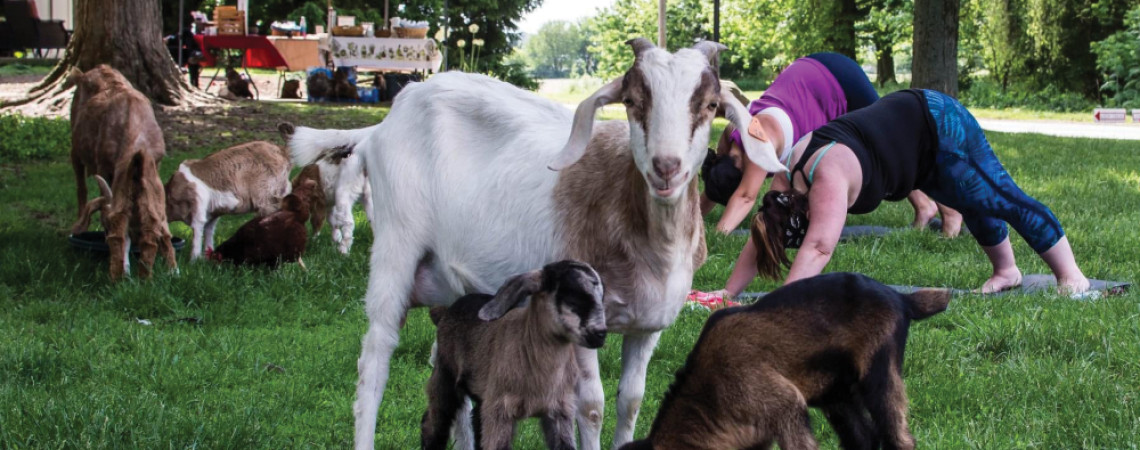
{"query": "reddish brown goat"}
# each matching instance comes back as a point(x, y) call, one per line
point(116, 139)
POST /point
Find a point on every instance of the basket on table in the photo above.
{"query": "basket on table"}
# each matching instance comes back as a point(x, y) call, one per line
point(383, 33)
point(353, 31)
point(411, 33)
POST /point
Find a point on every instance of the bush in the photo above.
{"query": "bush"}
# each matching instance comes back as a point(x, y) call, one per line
point(515, 73)
point(989, 94)
point(1118, 57)
point(33, 138)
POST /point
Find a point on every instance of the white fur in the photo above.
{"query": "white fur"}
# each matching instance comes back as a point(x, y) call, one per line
point(344, 185)
point(209, 201)
point(459, 173)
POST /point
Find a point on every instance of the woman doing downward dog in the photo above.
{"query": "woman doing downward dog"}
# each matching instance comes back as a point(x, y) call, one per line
point(911, 139)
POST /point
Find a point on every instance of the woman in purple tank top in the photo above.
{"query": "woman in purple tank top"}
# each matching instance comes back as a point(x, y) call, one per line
point(808, 94)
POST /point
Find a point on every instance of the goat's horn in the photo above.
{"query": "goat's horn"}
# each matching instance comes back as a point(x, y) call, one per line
point(583, 126)
point(712, 51)
point(640, 45)
point(104, 189)
point(762, 154)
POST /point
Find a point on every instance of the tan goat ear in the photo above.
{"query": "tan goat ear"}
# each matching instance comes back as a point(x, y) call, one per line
point(513, 291)
point(583, 127)
point(89, 210)
point(761, 153)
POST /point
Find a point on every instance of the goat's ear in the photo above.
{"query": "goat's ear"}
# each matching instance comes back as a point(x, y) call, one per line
point(286, 129)
point(583, 126)
point(513, 291)
point(761, 153)
point(89, 210)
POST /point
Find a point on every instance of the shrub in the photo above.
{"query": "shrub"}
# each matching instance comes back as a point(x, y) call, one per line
point(989, 94)
point(33, 138)
point(1118, 58)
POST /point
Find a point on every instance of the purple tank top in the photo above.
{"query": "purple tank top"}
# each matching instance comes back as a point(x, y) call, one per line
point(808, 93)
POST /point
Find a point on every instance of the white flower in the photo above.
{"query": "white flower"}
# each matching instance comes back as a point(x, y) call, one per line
point(439, 35)
point(473, 28)
point(462, 43)
point(477, 42)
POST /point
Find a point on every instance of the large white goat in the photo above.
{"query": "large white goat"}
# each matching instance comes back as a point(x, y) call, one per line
point(465, 197)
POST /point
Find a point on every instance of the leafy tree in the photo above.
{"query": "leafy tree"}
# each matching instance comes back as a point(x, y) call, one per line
point(554, 49)
point(687, 21)
point(887, 24)
point(1118, 58)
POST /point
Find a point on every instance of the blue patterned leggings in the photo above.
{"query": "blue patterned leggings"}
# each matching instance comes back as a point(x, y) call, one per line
point(969, 178)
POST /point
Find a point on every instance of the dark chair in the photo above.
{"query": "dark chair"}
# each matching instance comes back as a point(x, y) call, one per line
point(22, 30)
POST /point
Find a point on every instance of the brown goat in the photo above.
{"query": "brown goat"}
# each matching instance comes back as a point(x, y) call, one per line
point(835, 342)
point(115, 137)
point(318, 208)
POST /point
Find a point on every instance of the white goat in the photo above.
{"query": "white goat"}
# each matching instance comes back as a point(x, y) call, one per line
point(464, 199)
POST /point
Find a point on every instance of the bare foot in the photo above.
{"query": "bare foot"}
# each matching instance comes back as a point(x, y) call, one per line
point(1072, 286)
point(951, 222)
point(1001, 281)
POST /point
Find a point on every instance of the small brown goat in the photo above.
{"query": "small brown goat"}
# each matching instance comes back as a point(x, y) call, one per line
point(250, 177)
point(115, 137)
point(835, 342)
point(237, 85)
point(522, 363)
point(274, 239)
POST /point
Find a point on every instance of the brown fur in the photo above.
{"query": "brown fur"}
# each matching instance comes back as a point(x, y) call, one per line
point(254, 172)
point(237, 85)
point(834, 342)
point(521, 365)
point(318, 205)
point(342, 89)
point(114, 135)
point(619, 229)
point(273, 239)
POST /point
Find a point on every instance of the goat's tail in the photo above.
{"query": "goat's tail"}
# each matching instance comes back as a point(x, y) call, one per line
point(926, 302)
point(309, 145)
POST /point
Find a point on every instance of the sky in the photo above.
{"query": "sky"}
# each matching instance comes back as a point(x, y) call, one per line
point(560, 10)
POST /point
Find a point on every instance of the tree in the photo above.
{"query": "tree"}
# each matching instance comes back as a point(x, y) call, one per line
point(554, 49)
point(936, 46)
point(888, 23)
point(687, 21)
point(125, 34)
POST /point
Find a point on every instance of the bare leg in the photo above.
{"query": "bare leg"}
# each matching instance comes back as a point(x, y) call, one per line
point(924, 208)
point(951, 221)
point(1070, 279)
point(591, 400)
point(636, 351)
point(1006, 274)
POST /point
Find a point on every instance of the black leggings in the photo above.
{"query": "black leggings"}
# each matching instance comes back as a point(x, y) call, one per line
point(856, 86)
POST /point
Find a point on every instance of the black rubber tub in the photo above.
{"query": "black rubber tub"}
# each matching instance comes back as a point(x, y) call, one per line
point(96, 242)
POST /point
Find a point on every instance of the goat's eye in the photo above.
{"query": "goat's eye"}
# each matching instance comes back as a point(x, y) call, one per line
point(713, 106)
point(628, 102)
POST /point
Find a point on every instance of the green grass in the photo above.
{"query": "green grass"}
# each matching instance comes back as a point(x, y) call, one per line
point(77, 369)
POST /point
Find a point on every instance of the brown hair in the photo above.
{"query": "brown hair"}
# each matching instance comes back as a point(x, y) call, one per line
point(768, 227)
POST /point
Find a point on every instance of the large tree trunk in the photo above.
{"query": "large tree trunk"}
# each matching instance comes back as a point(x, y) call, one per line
point(844, 40)
point(125, 34)
point(935, 63)
point(885, 66)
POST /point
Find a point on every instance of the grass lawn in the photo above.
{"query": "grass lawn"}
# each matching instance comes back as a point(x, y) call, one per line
point(242, 358)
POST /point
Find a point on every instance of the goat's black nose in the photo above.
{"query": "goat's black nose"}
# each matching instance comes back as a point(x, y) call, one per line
point(596, 339)
point(666, 167)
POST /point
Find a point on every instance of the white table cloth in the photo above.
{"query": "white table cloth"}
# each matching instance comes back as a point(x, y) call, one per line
point(383, 53)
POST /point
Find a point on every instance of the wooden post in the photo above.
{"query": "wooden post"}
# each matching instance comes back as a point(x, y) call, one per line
point(716, 20)
point(661, 24)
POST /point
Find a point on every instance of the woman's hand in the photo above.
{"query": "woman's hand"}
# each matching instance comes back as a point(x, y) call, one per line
point(743, 198)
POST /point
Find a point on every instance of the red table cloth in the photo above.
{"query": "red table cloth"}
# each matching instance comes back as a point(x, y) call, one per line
point(259, 51)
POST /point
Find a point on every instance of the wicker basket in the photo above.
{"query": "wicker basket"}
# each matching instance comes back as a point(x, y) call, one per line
point(383, 33)
point(355, 31)
point(411, 33)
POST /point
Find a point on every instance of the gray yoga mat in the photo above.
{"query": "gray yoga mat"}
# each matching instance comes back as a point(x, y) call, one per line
point(1030, 284)
point(859, 231)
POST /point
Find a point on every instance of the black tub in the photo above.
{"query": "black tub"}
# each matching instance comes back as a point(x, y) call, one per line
point(96, 242)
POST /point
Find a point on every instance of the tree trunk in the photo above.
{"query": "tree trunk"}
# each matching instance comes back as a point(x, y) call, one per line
point(127, 35)
point(844, 39)
point(935, 63)
point(885, 66)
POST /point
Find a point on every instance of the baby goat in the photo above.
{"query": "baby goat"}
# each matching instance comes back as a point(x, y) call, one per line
point(521, 365)
point(835, 342)
point(251, 177)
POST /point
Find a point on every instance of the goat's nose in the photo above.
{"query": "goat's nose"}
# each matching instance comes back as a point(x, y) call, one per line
point(596, 338)
point(666, 167)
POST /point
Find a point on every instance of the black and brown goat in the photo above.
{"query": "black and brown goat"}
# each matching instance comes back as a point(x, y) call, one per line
point(834, 342)
point(515, 363)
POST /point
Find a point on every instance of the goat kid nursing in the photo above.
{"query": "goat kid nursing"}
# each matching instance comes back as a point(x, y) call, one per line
point(515, 363)
point(465, 198)
point(834, 341)
point(116, 139)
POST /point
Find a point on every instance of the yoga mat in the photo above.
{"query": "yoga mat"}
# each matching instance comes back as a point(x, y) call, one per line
point(859, 231)
point(1030, 284)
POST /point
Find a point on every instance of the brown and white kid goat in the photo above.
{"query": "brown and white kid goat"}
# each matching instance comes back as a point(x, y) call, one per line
point(251, 177)
point(515, 363)
point(116, 139)
point(834, 342)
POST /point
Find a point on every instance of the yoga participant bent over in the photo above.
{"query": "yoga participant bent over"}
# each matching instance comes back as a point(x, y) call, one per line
point(911, 139)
